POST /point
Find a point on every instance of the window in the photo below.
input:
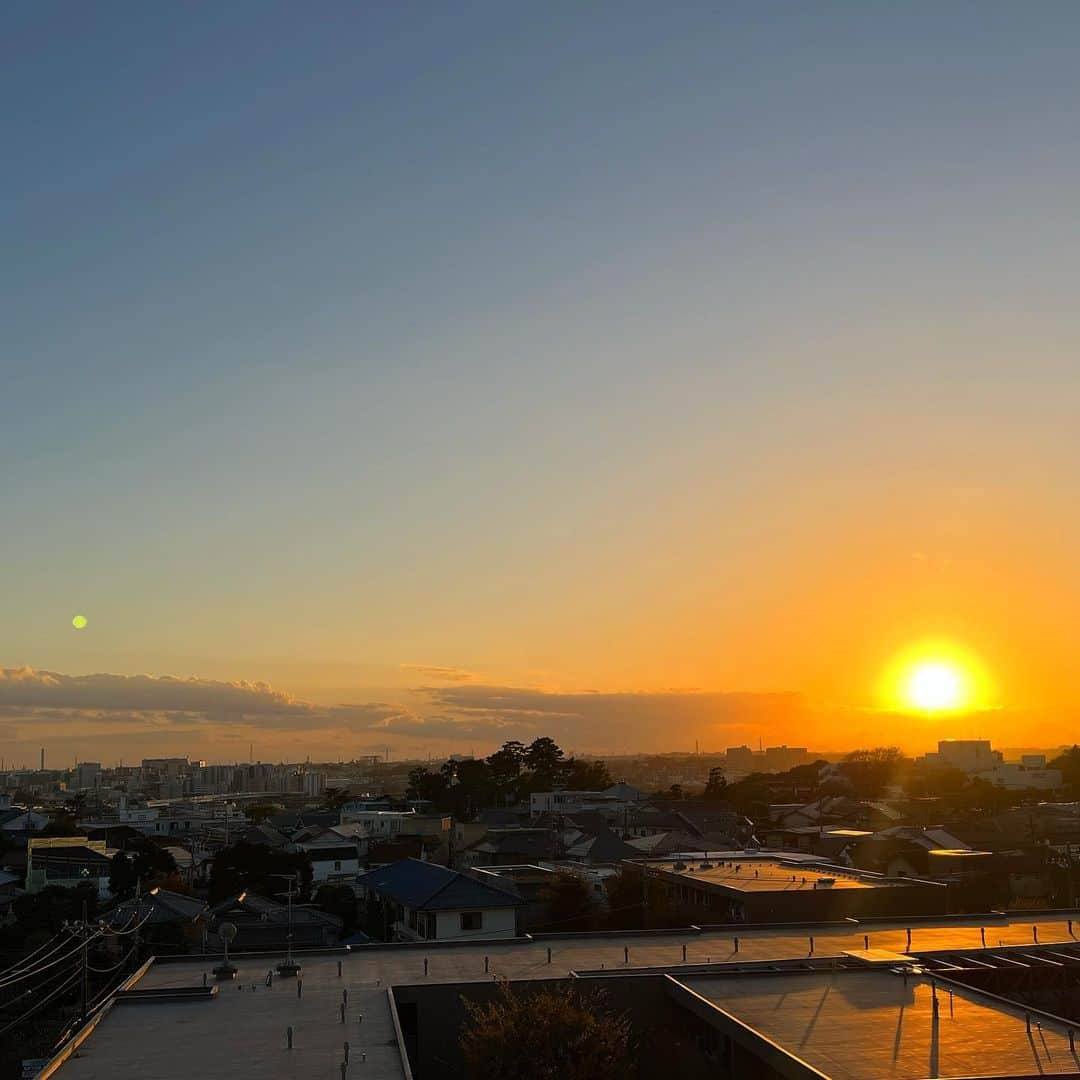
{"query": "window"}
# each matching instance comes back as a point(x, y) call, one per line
point(471, 920)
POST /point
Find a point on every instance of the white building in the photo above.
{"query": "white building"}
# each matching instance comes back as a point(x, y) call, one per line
point(422, 901)
point(388, 824)
point(968, 755)
point(1021, 777)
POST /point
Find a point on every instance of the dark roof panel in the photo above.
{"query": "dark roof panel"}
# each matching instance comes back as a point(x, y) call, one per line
point(430, 887)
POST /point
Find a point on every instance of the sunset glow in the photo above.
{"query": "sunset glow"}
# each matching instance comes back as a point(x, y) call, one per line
point(937, 678)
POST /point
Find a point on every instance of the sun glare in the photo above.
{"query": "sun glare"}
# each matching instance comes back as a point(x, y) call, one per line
point(936, 678)
point(935, 686)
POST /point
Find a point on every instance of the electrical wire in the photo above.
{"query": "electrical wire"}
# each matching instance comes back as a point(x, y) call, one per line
point(37, 970)
point(108, 971)
point(29, 959)
point(132, 930)
point(39, 1004)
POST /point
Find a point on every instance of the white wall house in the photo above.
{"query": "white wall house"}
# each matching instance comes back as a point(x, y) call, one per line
point(422, 901)
point(331, 862)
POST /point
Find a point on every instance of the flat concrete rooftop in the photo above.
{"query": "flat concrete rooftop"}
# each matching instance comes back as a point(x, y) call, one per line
point(242, 1032)
point(871, 1026)
point(750, 874)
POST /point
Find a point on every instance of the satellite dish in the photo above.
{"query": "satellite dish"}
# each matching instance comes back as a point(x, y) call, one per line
point(226, 931)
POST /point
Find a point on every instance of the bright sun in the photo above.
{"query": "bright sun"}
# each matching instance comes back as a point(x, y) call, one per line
point(934, 686)
point(935, 678)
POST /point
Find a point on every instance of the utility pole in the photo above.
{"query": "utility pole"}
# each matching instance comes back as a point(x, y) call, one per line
point(1069, 873)
point(85, 951)
point(644, 897)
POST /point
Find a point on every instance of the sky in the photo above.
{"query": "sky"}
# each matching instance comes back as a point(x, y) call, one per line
point(423, 375)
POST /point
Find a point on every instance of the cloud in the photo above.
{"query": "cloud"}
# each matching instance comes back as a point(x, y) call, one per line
point(204, 710)
point(666, 718)
point(53, 702)
point(446, 674)
point(27, 688)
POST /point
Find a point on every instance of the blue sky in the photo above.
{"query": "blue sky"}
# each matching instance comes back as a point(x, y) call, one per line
point(567, 346)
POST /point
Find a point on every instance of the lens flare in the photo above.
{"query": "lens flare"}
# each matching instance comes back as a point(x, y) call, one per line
point(79, 622)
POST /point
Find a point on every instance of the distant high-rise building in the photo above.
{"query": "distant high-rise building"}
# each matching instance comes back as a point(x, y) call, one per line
point(782, 758)
point(739, 759)
point(87, 774)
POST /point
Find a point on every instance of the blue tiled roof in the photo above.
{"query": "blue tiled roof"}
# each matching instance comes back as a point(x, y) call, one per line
point(425, 886)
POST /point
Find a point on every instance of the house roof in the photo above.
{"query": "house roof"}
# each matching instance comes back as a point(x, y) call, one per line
point(69, 855)
point(264, 834)
point(668, 843)
point(265, 910)
point(160, 906)
point(604, 847)
point(293, 820)
point(426, 886)
point(538, 843)
point(501, 816)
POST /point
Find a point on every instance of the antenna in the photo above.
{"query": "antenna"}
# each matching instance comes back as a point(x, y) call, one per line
point(225, 970)
point(289, 966)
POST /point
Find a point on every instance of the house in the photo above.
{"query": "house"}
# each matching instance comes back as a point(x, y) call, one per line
point(67, 861)
point(509, 847)
point(17, 819)
point(165, 917)
point(603, 847)
point(294, 820)
point(606, 802)
point(417, 901)
point(334, 858)
point(265, 924)
point(266, 835)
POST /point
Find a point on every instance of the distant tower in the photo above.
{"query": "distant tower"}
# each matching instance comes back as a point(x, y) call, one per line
point(43, 759)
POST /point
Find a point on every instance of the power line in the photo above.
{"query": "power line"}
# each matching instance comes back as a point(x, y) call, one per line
point(29, 958)
point(37, 970)
point(44, 1001)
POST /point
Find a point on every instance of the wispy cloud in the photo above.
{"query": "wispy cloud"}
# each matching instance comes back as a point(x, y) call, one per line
point(446, 674)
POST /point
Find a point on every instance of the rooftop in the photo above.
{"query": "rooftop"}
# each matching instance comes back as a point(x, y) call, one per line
point(246, 1028)
point(242, 1031)
point(749, 873)
point(872, 1025)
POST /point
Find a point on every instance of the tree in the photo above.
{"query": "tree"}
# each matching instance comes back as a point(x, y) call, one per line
point(122, 876)
point(543, 757)
point(60, 823)
point(338, 900)
point(870, 771)
point(506, 763)
point(1069, 764)
point(257, 868)
point(425, 784)
point(634, 905)
point(570, 1033)
point(261, 811)
point(568, 902)
point(150, 860)
point(716, 788)
point(49, 909)
point(586, 775)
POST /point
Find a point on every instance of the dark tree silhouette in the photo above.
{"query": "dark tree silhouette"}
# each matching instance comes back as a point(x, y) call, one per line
point(568, 1033)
